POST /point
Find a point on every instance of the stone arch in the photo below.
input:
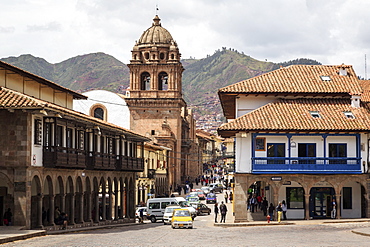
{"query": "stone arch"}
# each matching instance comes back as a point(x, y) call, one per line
point(109, 203)
point(7, 195)
point(95, 201)
point(162, 81)
point(36, 202)
point(102, 199)
point(87, 214)
point(70, 200)
point(121, 208)
point(125, 198)
point(115, 199)
point(48, 202)
point(59, 194)
point(78, 201)
point(145, 80)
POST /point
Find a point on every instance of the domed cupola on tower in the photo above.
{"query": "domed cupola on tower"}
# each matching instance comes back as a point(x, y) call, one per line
point(155, 65)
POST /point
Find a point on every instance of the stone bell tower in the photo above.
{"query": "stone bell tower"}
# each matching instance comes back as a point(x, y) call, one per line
point(155, 95)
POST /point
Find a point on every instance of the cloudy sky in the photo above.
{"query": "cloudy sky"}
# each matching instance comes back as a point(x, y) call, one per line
point(329, 31)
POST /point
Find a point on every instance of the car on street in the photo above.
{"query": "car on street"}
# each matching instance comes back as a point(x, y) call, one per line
point(201, 195)
point(193, 201)
point(203, 209)
point(211, 198)
point(206, 189)
point(181, 218)
point(192, 194)
point(217, 187)
point(167, 216)
point(188, 206)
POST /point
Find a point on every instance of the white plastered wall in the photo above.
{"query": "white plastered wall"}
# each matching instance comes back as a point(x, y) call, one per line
point(117, 109)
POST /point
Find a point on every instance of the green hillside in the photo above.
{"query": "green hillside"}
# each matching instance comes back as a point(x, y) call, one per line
point(201, 78)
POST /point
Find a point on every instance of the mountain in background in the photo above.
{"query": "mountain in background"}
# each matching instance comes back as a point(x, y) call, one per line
point(201, 79)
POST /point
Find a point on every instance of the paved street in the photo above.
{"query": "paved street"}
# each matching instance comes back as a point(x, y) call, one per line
point(206, 234)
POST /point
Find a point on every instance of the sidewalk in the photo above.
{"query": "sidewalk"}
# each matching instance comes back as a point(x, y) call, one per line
point(258, 219)
point(13, 233)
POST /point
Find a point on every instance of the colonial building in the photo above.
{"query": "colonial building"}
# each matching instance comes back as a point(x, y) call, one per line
point(156, 103)
point(52, 156)
point(302, 135)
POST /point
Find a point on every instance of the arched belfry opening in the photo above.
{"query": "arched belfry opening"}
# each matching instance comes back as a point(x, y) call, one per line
point(163, 81)
point(145, 81)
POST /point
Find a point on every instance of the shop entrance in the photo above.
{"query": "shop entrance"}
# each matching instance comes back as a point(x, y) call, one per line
point(320, 202)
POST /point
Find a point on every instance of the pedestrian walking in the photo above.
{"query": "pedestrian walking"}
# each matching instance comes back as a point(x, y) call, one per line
point(231, 196)
point(284, 207)
point(265, 206)
point(8, 217)
point(226, 196)
point(271, 211)
point(253, 203)
point(333, 209)
point(279, 211)
point(223, 210)
point(141, 219)
point(215, 210)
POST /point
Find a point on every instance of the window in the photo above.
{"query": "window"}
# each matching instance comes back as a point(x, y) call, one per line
point(315, 114)
point(337, 150)
point(163, 81)
point(349, 115)
point(276, 150)
point(59, 136)
point(307, 150)
point(325, 78)
point(38, 132)
point(99, 113)
point(347, 198)
point(145, 81)
point(47, 134)
point(69, 138)
point(154, 205)
point(295, 197)
point(260, 144)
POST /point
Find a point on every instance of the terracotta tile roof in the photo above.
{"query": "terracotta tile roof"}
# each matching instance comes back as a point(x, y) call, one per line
point(294, 115)
point(10, 99)
point(300, 79)
point(40, 79)
point(365, 96)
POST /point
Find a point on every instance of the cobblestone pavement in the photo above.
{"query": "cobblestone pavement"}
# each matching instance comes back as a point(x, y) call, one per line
point(206, 234)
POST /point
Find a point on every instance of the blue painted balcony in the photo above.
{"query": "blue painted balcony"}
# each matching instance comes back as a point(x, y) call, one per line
point(306, 165)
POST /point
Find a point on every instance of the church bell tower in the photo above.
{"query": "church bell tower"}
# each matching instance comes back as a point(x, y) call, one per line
point(155, 95)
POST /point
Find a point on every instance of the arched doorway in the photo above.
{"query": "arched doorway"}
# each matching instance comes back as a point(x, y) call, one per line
point(48, 202)
point(321, 196)
point(36, 203)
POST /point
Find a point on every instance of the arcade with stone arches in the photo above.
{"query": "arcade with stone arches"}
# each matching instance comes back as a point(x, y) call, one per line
point(80, 194)
point(307, 196)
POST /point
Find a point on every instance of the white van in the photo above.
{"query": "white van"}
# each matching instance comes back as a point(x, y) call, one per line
point(156, 207)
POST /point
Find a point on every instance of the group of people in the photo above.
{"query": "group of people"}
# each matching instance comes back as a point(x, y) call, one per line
point(222, 209)
point(229, 197)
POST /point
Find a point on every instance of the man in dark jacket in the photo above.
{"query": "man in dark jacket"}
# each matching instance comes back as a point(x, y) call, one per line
point(216, 211)
point(223, 210)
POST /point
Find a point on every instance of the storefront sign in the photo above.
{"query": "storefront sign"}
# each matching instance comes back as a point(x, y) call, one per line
point(276, 178)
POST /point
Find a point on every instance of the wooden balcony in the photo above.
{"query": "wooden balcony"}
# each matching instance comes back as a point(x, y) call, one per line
point(61, 157)
point(307, 165)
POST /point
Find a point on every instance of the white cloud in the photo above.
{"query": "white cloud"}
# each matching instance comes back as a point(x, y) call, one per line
point(330, 31)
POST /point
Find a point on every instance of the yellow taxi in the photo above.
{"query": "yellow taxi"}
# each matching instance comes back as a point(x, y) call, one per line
point(181, 218)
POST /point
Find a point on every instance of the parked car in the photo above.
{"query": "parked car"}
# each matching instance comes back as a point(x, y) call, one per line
point(168, 212)
point(181, 218)
point(217, 187)
point(206, 189)
point(211, 198)
point(203, 209)
point(201, 195)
